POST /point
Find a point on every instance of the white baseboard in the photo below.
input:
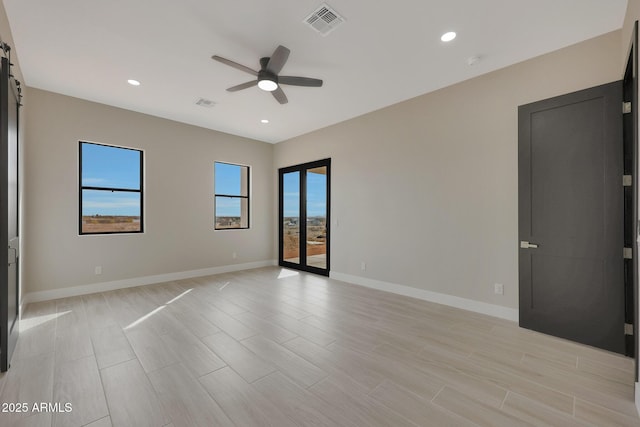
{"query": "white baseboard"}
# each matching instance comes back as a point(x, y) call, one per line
point(450, 300)
point(138, 281)
point(637, 396)
point(21, 307)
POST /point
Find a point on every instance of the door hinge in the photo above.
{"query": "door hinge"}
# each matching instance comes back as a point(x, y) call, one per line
point(627, 253)
point(527, 245)
point(626, 107)
point(627, 180)
point(628, 329)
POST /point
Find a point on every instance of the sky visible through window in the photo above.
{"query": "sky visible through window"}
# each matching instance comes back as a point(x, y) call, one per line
point(110, 167)
point(228, 181)
point(316, 194)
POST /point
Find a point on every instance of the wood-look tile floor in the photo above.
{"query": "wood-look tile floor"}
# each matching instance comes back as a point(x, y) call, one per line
point(273, 347)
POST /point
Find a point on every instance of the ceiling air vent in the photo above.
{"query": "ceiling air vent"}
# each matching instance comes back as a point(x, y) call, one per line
point(207, 103)
point(324, 19)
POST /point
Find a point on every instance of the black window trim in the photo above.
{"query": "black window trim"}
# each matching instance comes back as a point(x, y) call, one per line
point(230, 196)
point(111, 189)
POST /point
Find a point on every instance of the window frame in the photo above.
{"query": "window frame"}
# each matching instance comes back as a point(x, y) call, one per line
point(109, 189)
point(232, 196)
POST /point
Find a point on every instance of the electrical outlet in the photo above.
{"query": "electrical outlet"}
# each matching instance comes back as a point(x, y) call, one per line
point(363, 266)
point(98, 270)
point(234, 255)
point(498, 289)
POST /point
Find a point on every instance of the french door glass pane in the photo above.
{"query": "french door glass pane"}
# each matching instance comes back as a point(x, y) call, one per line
point(317, 217)
point(291, 217)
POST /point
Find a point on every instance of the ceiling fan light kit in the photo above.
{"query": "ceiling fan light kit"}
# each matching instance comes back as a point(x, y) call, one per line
point(267, 78)
point(267, 85)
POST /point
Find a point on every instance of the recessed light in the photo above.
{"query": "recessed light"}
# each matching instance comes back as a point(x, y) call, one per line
point(133, 82)
point(447, 37)
point(265, 121)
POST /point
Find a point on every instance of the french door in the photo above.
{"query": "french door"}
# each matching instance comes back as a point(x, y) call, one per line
point(304, 216)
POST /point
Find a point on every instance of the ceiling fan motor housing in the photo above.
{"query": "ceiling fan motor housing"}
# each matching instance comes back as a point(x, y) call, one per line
point(263, 74)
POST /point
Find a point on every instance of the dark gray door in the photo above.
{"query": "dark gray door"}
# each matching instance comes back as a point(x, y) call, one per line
point(9, 240)
point(571, 218)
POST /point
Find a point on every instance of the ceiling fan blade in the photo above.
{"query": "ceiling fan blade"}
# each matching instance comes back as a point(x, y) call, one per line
point(234, 65)
point(279, 95)
point(243, 86)
point(299, 81)
point(278, 59)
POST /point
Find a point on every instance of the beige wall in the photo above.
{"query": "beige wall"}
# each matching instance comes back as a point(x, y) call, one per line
point(178, 188)
point(426, 191)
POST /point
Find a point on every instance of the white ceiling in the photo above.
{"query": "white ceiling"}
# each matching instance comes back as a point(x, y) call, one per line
point(386, 52)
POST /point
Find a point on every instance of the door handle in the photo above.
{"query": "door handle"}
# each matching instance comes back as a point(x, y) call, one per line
point(527, 245)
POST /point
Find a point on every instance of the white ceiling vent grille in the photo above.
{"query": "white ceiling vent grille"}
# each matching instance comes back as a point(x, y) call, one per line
point(207, 103)
point(324, 19)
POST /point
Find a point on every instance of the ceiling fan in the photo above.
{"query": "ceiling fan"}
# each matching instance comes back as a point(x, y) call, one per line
point(268, 78)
